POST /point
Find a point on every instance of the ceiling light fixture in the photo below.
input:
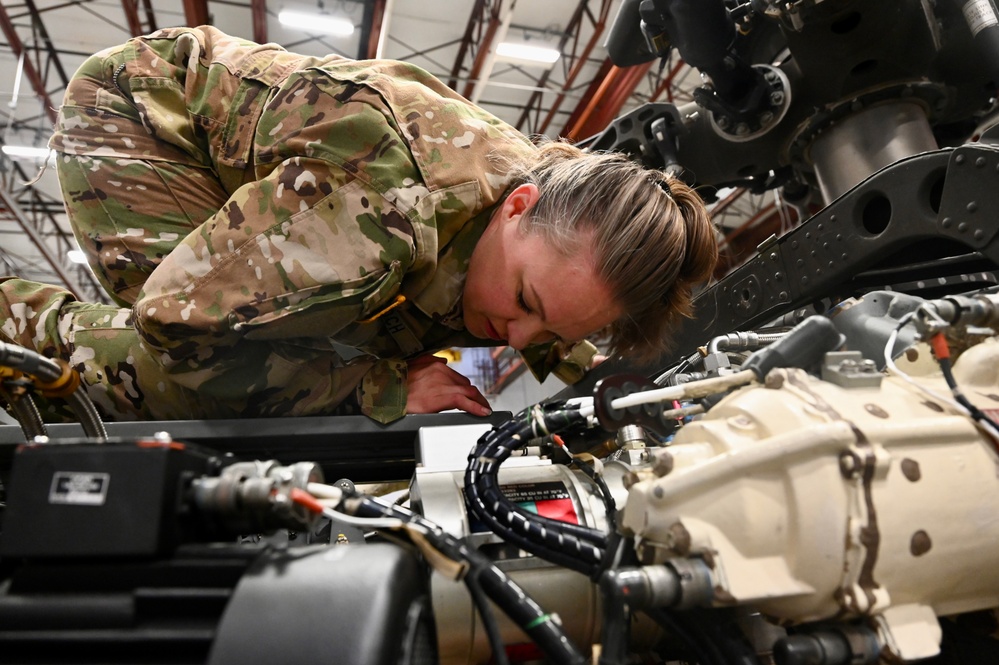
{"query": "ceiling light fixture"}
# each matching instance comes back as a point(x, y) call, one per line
point(28, 152)
point(528, 53)
point(340, 27)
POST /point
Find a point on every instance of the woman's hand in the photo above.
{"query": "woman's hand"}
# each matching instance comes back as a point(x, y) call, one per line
point(435, 387)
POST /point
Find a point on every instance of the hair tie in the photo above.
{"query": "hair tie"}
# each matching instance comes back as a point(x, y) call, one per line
point(663, 184)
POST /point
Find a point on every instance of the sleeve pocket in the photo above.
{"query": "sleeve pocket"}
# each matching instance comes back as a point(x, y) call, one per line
point(328, 310)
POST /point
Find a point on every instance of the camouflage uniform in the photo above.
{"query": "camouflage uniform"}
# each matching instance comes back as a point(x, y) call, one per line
point(260, 217)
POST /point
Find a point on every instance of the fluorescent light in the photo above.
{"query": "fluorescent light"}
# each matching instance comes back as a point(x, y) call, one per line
point(26, 151)
point(530, 53)
point(76, 256)
point(340, 27)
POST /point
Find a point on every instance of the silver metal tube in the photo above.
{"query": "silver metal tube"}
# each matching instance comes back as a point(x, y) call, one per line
point(851, 150)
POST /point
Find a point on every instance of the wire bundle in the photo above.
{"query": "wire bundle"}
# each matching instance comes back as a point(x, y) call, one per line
point(572, 546)
point(482, 577)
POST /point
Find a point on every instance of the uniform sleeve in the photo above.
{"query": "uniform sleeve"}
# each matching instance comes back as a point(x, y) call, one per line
point(245, 306)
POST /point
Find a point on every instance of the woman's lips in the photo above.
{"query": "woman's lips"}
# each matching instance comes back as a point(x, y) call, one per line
point(491, 332)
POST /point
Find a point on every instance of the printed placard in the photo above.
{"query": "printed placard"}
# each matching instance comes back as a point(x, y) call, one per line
point(80, 488)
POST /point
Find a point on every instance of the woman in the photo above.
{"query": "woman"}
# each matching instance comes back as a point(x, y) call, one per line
point(287, 235)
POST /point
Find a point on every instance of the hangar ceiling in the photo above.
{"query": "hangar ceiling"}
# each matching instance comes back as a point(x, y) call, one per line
point(44, 41)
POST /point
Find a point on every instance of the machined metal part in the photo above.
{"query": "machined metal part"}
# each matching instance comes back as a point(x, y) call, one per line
point(777, 101)
point(808, 500)
point(253, 496)
point(839, 645)
point(849, 151)
point(868, 323)
point(572, 596)
point(849, 369)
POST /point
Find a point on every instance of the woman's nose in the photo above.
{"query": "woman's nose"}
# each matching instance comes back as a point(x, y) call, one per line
point(522, 332)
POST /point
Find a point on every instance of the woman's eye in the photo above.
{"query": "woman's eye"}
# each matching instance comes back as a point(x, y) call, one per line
point(523, 303)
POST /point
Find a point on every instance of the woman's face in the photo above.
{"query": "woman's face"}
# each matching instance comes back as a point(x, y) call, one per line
point(521, 291)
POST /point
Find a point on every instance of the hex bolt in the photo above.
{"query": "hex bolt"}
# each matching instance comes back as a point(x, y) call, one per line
point(848, 366)
point(849, 465)
point(662, 463)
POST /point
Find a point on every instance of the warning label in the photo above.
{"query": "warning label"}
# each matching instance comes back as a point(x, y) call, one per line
point(980, 15)
point(81, 488)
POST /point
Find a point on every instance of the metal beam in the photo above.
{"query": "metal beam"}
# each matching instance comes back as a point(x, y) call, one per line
point(11, 206)
point(150, 15)
point(259, 10)
point(196, 13)
point(17, 46)
point(499, 21)
point(475, 19)
point(373, 27)
point(604, 100)
point(578, 62)
point(131, 8)
point(39, 26)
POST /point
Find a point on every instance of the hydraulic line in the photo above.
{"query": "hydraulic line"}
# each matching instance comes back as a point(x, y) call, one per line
point(504, 592)
point(941, 351)
point(26, 413)
point(743, 341)
point(56, 379)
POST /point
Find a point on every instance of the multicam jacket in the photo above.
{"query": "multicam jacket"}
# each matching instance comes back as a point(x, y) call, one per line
point(341, 202)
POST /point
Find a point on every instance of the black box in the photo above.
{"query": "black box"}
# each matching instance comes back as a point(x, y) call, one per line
point(99, 499)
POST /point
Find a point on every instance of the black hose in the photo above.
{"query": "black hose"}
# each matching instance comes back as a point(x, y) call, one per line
point(494, 448)
point(610, 507)
point(508, 596)
point(493, 494)
point(569, 545)
point(955, 389)
point(488, 619)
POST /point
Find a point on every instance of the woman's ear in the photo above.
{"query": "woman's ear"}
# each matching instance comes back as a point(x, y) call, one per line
point(519, 201)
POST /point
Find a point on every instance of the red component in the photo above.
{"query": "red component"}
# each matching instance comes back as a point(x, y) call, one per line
point(558, 509)
point(939, 345)
point(524, 653)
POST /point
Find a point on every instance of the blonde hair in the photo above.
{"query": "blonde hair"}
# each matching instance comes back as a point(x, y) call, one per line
point(652, 237)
